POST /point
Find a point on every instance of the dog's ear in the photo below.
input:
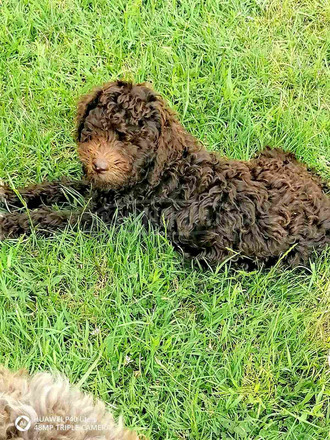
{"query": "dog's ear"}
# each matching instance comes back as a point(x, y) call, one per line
point(170, 144)
point(85, 105)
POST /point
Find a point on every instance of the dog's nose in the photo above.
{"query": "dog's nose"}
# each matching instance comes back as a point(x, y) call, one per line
point(100, 165)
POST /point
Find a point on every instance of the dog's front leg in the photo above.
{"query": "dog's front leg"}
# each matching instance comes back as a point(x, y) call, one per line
point(46, 193)
point(43, 220)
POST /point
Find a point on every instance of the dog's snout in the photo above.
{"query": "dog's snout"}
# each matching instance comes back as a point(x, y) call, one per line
point(100, 165)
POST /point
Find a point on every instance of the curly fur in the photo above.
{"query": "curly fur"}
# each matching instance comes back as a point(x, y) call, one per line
point(57, 410)
point(137, 157)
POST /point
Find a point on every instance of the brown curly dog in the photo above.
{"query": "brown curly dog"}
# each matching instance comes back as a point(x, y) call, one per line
point(47, 407)
point(137, 157)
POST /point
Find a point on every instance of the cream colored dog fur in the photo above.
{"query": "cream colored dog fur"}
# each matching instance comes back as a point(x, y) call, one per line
point(47, 407)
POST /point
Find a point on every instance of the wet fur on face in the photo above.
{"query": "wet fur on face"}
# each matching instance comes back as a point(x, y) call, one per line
point(115, 157)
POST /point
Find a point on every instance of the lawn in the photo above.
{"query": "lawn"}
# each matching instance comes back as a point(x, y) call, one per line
point(180, 352)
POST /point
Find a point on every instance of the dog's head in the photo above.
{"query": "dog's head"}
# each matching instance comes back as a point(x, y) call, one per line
point(125, 134)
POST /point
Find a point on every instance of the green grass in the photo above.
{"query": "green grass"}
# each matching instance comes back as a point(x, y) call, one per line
point(181, 352)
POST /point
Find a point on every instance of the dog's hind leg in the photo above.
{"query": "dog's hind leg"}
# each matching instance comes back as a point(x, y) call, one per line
point(46, 193)
point(276, 153)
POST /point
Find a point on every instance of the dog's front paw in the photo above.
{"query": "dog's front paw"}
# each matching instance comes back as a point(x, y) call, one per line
point(2, 192)
point(7, 197)
point(7, 227)
point(2, 232)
